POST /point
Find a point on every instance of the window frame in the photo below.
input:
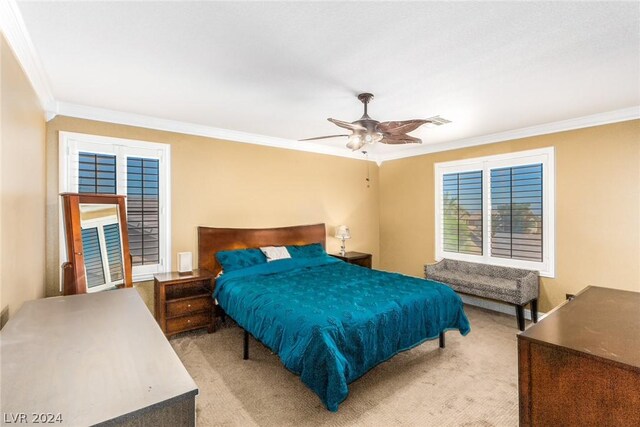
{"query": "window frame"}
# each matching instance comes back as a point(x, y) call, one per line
point(545, 156)
point(70, 143)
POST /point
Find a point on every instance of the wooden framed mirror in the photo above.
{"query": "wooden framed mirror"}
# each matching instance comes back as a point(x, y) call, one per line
point(97, 242)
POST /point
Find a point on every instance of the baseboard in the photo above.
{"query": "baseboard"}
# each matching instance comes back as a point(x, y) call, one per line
point(497, 306)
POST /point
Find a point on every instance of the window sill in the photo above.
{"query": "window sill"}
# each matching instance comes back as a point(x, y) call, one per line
point(147, 277)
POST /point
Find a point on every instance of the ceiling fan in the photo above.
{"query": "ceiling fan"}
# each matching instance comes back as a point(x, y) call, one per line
point(365, 130)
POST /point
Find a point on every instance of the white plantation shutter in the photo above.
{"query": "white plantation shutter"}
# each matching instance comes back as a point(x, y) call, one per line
point(462, 212)
point(498, 210)
point(140, 170)
point(516, 212)
point(143, 210)
point(96, 173)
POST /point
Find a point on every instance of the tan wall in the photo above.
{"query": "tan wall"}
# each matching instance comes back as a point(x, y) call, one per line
point(229, 184)
point(597, 208)
point(22, 185)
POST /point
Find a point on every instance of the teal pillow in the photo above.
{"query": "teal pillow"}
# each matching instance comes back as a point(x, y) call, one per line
point(306, 251)
point(240, 258)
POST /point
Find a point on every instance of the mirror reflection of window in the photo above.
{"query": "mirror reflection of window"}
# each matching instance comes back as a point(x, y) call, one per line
point(102, 246)
point(114, 251)
point(93, 263)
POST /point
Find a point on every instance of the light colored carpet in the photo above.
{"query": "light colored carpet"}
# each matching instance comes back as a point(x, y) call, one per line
point(472, 382)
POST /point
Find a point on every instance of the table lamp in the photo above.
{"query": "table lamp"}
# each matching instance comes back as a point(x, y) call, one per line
point(343, 233)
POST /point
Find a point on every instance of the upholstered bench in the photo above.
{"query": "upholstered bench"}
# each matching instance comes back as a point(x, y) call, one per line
point(506, 284)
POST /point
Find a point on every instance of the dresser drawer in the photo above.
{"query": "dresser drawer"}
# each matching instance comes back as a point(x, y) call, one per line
point(183, 323)
point(188, 306)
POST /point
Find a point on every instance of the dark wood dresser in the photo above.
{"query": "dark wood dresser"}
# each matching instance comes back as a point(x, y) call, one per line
point(358, 258)
point(183, 301)
point(580, 365)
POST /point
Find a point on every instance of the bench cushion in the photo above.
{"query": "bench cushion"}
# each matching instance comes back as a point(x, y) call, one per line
point(512, 285)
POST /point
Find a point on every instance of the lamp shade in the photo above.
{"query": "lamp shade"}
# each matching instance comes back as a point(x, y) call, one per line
point(342, 232)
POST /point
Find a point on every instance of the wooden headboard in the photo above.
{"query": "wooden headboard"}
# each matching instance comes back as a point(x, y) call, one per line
point(212, 240)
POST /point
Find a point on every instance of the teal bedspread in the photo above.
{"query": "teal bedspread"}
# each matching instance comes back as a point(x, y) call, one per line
point(330, 322)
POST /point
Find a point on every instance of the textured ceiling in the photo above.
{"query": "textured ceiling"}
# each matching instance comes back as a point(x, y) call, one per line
point(280, 69)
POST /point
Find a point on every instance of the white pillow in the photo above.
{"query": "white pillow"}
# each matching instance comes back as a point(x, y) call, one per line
point(274, 253)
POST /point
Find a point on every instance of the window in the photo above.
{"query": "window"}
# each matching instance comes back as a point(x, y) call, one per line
point(498, 210)
point(137, 169)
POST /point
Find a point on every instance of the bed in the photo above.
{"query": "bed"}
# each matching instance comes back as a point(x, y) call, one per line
point(330, 322)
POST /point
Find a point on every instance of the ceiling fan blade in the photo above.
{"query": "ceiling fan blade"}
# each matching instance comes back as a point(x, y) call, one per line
point(347, 125)
point(400, 127)
point(400, 139)
point(322, 137)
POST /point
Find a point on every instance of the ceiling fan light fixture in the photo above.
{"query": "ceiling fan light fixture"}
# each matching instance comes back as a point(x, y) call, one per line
point(355, 142)
point(373, 137)
point(369, 131)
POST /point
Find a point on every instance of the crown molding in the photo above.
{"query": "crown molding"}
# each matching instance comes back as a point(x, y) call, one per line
point(15, 32)
point(615, 116)
point(130, 119)
point(138, 120)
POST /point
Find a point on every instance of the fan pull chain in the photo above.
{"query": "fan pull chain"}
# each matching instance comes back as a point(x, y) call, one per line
point(367, 180)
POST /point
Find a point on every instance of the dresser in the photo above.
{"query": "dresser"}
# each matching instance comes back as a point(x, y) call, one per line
point(87, 359)
point(184, 301)
point(580, 365)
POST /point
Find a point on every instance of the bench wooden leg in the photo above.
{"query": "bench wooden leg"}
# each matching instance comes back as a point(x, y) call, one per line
point(520, 316)
point(441, 340)
point(534, 310)
point(245, 356)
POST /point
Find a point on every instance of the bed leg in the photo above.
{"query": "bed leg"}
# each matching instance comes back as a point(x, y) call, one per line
point(442, 339)
point(246, 346)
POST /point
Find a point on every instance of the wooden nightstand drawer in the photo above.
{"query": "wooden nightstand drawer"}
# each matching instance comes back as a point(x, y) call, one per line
point(184, 323)
point(187, 289)
point(363, 262)
point(189, 306)
point(356, 258)
point(183, 301)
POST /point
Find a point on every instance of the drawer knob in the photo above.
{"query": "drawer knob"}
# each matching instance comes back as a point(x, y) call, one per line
point(188, 305)
point(188, 320)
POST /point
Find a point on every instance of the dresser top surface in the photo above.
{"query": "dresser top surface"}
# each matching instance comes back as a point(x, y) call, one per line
point(174, 276)
point(599, 321)
point(352, 255)
point(91, 358)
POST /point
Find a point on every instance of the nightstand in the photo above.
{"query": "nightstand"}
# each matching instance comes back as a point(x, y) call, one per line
point(183, 301)
point(357, 258)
